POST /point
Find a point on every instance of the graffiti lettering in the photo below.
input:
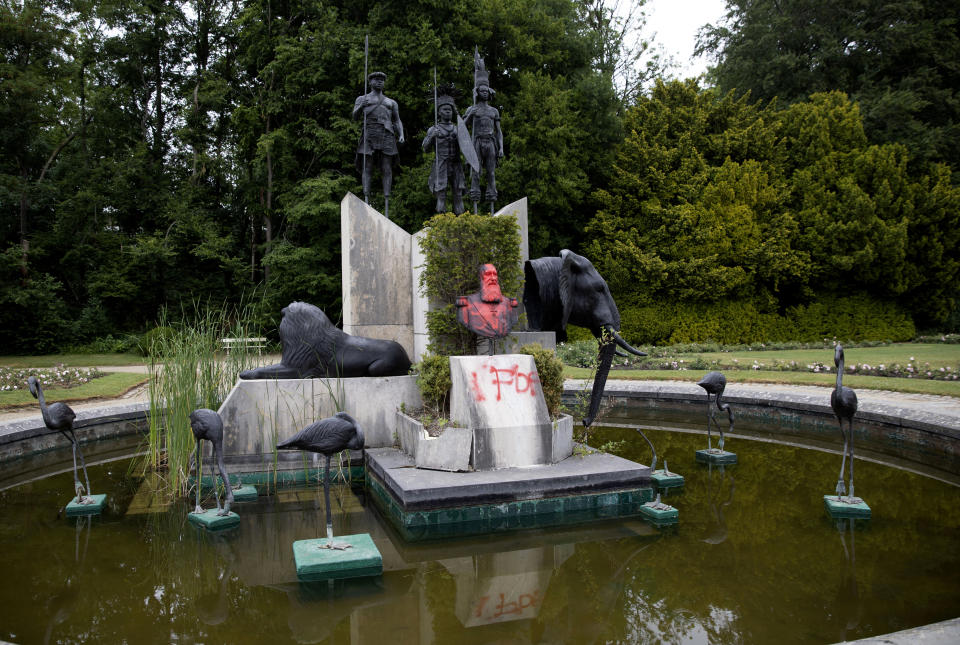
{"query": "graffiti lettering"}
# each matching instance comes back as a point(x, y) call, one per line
point(507, 607)
point(521, 381)
point(475, 385)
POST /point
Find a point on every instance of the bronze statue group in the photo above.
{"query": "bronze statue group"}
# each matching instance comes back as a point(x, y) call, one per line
point(477, 136)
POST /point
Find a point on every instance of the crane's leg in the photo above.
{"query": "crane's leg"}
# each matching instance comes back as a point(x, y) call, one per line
point(850, 430)
point(228, 499)
point(77, 486)
point(326, 500)
point(86, 499)
point(720, 430)
point(709, 415)
point(197, 460)
point(331, 544)
point(841, 487)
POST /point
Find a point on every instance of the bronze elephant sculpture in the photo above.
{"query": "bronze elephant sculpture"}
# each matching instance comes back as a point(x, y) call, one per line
point(568, 290)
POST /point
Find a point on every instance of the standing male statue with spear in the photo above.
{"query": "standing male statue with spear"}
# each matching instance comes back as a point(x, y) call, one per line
point(448, 140)
point(382, 131)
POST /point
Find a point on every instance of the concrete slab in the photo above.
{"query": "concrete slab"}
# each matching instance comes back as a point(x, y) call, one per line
point(316, 563)
point(840, 507)
point(209, 520)
point(95, 507)
point(450, 451)
point(430, 489)
point(259, 413)
point(376, 274)
point(409, 433)
point(500, 399)
point(500, 391)
point(429, 504)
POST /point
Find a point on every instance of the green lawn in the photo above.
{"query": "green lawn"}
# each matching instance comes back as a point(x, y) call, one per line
point(110, 385)
point(915, 386)
point(73, 360)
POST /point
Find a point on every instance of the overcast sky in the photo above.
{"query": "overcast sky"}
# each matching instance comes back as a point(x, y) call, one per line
point(675, 24)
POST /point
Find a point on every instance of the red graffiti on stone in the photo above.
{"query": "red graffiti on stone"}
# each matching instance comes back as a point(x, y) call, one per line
point(475, 385)
point(521, 381)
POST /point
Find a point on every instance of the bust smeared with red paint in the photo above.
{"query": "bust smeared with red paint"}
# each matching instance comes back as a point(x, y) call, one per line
point(488, 313)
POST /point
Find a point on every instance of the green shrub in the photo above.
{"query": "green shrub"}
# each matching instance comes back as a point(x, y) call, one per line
point(550, 371)
point(575, 334)
point(108, 344)
point(454, 247)
point(156, 336)
point(433, 379)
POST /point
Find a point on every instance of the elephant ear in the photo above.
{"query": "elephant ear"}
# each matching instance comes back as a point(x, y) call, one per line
point(568, 267)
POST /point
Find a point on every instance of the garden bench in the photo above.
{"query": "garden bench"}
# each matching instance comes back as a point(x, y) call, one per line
point(244, 343)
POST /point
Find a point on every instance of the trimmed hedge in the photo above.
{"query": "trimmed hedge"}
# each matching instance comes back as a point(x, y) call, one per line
point(854, 318)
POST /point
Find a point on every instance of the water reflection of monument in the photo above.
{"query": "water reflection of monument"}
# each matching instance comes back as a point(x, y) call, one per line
point(500, 587)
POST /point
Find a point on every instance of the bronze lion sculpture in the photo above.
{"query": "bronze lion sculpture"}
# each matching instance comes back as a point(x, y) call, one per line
point(314, 348)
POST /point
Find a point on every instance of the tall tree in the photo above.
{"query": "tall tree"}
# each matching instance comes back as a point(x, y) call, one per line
point(717, 198)
point(899, 60)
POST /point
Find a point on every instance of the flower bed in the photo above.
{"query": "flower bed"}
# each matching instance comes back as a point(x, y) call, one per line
point(12, 379)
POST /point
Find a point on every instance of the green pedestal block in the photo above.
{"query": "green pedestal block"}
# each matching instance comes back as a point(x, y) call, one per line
point(213, 522)
point(245, 493)
point(316, 563)
point(94, 508)
point(665, 480)
point(666, 514)
point(716, 456)
point(837, 508)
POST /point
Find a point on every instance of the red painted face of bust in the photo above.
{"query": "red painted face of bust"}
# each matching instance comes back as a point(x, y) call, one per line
point(490, 284)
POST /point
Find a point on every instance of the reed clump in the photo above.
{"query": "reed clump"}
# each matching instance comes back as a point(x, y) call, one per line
point(188, 370)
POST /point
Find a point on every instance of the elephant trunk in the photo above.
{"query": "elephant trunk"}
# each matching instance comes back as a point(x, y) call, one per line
point(624, 344)
point(605, 357)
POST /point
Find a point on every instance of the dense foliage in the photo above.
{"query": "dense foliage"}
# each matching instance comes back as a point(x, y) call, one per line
point(454, 247)
point(550, 373)
point(897, 60)
point(153, 152)
point(719, 204)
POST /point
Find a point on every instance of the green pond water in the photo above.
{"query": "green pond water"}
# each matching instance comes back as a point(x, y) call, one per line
point(754, 559)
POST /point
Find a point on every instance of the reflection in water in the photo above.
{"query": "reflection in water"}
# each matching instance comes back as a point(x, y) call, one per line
point(718, 533)
point(61, 604)
point(500, 587)
point(212, 608)
point(846, 605)
point(773, 573)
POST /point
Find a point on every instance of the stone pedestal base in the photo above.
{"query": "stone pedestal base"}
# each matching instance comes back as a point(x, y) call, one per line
point(213, 522)
point(716, 456)
point(665, 480)
point(316, 563)
point(245, 493)
point(663, 515)
point(839, 507)
point(94, 508)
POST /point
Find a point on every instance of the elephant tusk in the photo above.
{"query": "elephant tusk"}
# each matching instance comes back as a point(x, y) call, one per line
point(624, 344)
point(621, 354)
